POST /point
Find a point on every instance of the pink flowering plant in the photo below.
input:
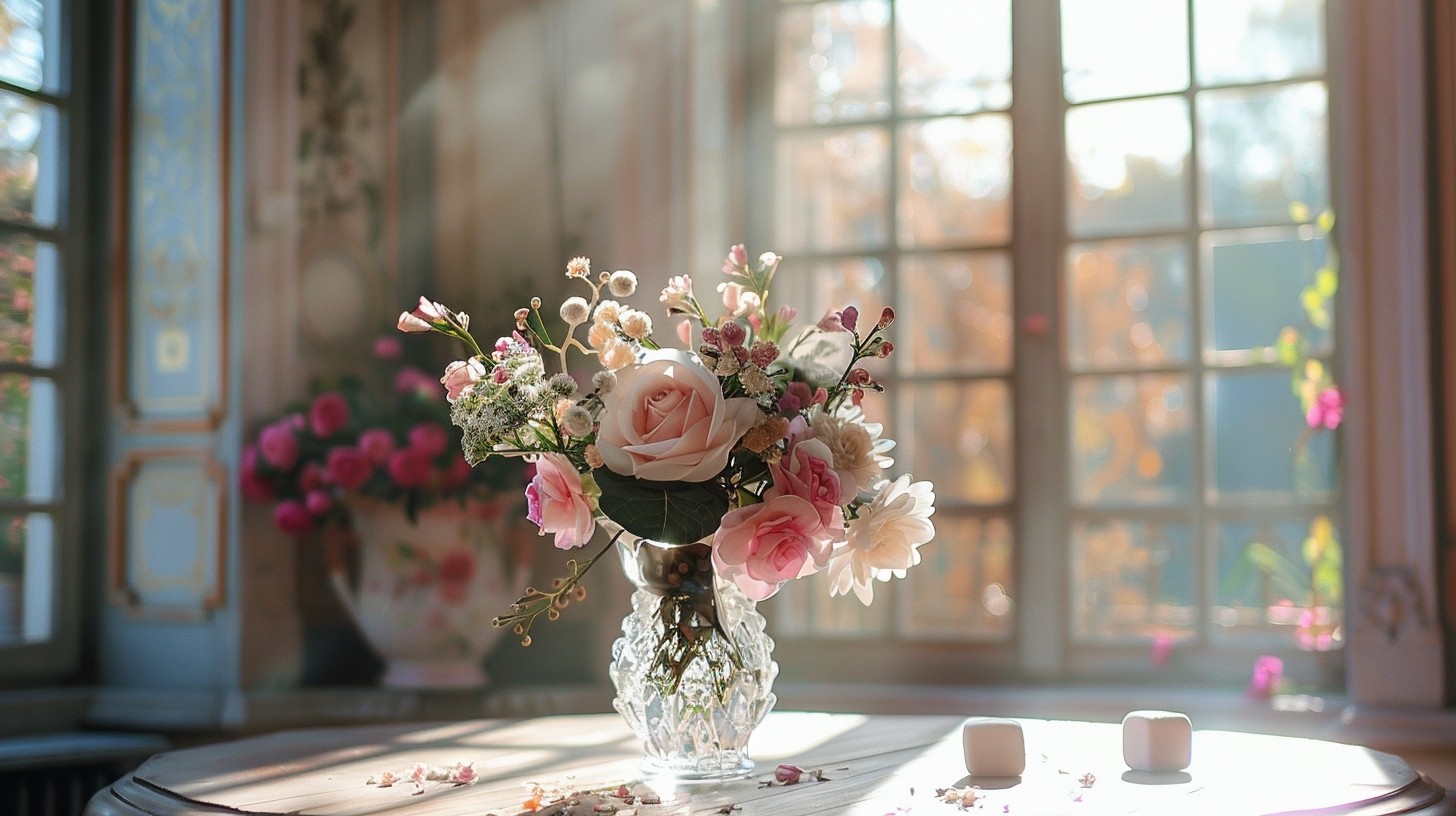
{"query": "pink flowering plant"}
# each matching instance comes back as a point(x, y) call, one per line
point(387, 437)
point(747, 432)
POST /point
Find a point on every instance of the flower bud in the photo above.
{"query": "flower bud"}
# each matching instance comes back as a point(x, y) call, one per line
point(886, 318)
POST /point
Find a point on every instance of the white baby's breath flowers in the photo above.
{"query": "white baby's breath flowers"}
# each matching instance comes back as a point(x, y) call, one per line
point(617, 354)
point(599, 334)
point(679, 288)
point(577, 421)
point(622, 283)
point(604, 382)
point(574, 310)
point(578, 267)
point(884, 539)
point(607, 311)
point(635, 324)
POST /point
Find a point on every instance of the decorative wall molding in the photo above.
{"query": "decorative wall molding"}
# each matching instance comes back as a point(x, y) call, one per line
point(168, 556)
point(170, 252)
point(1391, 600)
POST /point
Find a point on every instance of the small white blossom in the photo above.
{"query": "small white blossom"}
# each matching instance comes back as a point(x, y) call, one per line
point(575, 310)
point(604, 382)
point(578, 267)
point(622, 283)
point(618, 354)
point(636, 324)
point(679, 289)
point(577, 421)
point(608, 311)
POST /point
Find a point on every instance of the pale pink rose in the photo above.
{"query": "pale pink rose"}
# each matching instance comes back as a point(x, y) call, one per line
point(377, 444)
point(667, 420)
point(807, 470)
point(460, 376)
point(557, 503)
point(388, 348)
point(761, 546)
point(328, 414)
point(430, 438)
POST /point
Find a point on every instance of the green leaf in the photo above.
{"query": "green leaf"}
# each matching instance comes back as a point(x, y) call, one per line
point(1285, 576)
point(1326, 282)
point(669, 512)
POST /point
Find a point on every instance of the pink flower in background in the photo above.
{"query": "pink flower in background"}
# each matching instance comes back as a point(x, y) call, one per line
point(318, 502)
point(1161, 651)
point(377, 444)
point(328, 414)
point(557, 503)
point(1327, 409)
point(411, 379)
point(1268, 672)
point(456, 475)
point(388, 348)
point(254, 487)
point(409, 467)
point(293, 518)
point(279, 446)
point(761, 546)
point(429, 438)
point(736, 260)
point(348, 468)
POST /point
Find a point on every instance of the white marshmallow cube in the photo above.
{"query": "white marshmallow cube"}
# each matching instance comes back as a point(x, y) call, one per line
point(1157, 741)
point(994, 747)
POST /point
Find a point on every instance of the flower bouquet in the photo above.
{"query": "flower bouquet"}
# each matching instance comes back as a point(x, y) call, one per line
point(376, 461)
point(723, 468)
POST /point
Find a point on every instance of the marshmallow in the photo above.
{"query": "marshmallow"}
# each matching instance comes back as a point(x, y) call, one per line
point(994, 747)
point(1157, 741)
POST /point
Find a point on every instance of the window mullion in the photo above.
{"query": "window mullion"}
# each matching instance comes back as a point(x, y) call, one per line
point(1038, 244)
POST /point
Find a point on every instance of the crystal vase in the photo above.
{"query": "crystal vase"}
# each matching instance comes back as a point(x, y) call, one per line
point(694, 669)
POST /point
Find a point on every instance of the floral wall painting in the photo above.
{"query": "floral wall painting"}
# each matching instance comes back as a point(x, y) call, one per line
point(175, 262)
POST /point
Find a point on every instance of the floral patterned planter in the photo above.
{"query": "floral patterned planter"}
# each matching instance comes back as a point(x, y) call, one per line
point(427, 591)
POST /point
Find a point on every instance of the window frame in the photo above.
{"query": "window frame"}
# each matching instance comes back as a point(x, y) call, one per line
point(1369, 326)
point(80, 93)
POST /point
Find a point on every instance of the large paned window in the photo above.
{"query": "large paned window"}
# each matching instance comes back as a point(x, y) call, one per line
point(1106, 228)
point(36, 605)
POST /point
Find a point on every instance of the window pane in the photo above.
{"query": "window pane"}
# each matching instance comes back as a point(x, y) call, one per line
point(1132, 439)
point(1281, 580)
point(1116, 48)
point(958, 436)
point(1262, 150)
point(1257, 40)
point(22, 42)
point(26, 575)
point(1134, 580)
point(1128, 163)
point(832, 62)
point(29, 301)
point(1256, 282)
point(962, 588)
point(30, 441)
point(1128, 304)
point(956, 310)
point(805, 608)
point(954, 55)
point(28, 155)
point(832, 190)
point(955, 181)
point(1262, 448)
point(815, 288)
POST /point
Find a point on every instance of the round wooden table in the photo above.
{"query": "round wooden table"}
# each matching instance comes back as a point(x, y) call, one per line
point(871, 765)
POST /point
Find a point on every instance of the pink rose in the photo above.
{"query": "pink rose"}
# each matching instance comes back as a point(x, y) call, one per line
point(666, 420)
point(409, 467)
point(761, 546)
point(348, 468)
point(377, 444)
point(460, 376)
point(279, 446)
point(807, 471)
point(429, 438)
point(254, 486)
point(456, 475)
point(328, 414)
point(311, 477)
point(318, 502)
point(557, 503)
point(293, 518)
point(412, 379)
